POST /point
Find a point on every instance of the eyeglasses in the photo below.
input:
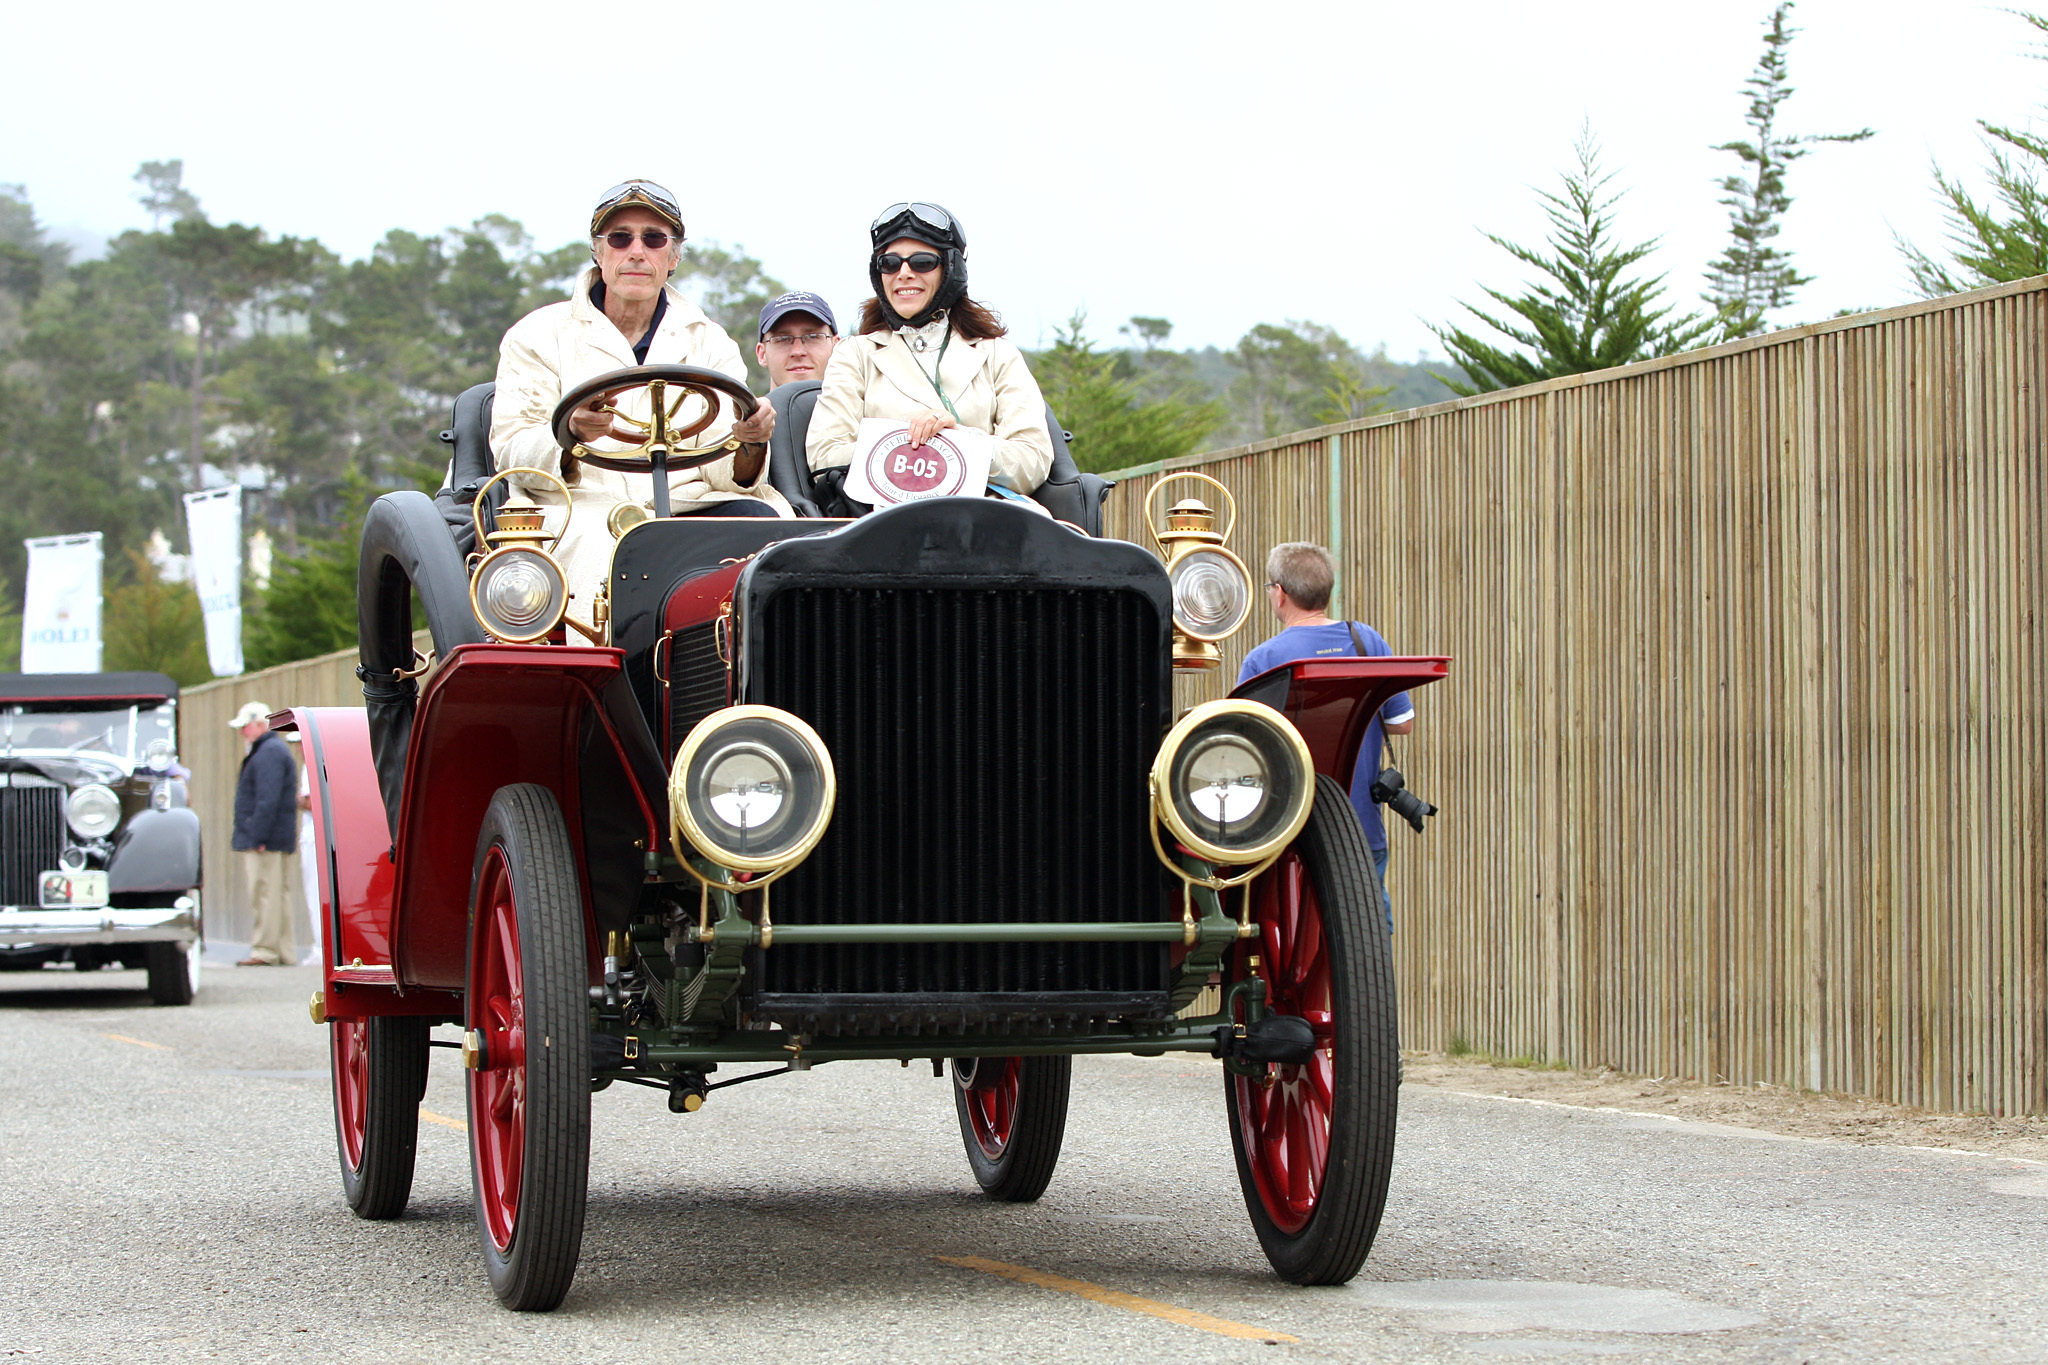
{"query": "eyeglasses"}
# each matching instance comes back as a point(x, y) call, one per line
point(923, 262)
point(782, 341)
point(654, 238)
point(931, 215)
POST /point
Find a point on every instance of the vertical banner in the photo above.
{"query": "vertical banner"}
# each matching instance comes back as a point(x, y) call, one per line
point(214, 519)
point(60, 613)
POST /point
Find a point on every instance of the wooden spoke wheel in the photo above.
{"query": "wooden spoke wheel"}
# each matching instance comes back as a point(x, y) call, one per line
point(1315, 1142)
point(1013, 1116)
point(668, 387)
point(529, 1094)
point(380, 1076)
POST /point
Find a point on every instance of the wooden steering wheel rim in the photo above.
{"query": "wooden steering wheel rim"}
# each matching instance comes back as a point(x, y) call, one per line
point(707, 384)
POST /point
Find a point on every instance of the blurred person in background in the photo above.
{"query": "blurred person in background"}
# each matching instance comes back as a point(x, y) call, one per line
point(1300, 579)
point(266, 834)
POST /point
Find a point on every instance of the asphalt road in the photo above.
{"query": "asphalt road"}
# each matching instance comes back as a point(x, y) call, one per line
point(168, 1193)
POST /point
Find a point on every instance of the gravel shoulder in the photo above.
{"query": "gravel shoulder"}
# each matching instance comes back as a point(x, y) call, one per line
point(1768, 1108)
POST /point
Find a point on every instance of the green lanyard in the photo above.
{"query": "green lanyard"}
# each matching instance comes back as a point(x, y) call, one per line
point(932, 375)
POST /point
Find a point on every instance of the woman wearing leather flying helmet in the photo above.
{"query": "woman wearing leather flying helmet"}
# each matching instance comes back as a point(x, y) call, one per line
point(622, 312)
point(930, 356)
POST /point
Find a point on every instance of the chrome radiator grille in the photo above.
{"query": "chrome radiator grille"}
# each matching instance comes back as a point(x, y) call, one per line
point(992, 747)
point(31, 837)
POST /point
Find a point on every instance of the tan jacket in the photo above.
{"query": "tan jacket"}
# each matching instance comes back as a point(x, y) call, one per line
point(550, 351)
point(875, 375)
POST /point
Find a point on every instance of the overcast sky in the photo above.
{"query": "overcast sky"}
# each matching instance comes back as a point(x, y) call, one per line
point(1216, 164)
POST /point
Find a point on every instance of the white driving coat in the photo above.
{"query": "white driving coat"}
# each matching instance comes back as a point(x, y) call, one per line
point(875, 375)
point(553, 349)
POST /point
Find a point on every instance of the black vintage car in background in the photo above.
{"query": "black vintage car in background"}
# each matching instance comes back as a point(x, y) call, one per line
point(99, 852)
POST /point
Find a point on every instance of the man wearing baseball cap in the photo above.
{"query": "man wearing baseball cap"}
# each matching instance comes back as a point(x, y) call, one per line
point(266, 835)
point(796, 338)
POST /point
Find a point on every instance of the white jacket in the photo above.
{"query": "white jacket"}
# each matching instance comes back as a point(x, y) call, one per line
point(875, 375)
point(550, 351)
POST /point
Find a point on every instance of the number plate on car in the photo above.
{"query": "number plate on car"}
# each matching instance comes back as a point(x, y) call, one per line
point(74, 890)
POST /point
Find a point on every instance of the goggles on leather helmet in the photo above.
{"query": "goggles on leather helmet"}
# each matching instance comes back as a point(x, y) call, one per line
point(929, 215)
point(644, 192)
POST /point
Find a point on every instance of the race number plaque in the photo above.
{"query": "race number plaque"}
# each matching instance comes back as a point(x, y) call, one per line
point(888, 469)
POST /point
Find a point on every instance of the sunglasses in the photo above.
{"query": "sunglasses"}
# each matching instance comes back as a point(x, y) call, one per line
point(653, 238)
point(923, 262)
point(931, 215)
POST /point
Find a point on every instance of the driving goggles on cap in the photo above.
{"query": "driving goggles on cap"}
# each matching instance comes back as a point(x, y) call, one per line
point(637, 192)
point(931, 215)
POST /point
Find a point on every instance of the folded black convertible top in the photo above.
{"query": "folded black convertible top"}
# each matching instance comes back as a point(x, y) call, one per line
point(17, 687)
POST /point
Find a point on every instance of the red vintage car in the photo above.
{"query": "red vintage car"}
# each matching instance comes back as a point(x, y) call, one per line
point(908, 786)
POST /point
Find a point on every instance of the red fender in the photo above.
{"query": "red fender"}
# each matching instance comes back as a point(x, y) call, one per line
point(1332, 700)
point(352, 846)
point(493, 715)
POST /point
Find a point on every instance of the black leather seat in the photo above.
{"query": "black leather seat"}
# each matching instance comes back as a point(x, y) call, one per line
point(1067, 493)
point(470, 467)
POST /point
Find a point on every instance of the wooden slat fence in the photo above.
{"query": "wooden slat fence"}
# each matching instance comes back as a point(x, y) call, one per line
point(1742, 758)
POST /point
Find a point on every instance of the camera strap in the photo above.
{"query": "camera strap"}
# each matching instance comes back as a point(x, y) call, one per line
point(1358, 643)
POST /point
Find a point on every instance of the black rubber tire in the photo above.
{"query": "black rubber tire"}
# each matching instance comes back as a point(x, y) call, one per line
point(533, 1273)
point(1366, 1056)
point(380, 1184)
point(1023, 1169)
point(170, 971)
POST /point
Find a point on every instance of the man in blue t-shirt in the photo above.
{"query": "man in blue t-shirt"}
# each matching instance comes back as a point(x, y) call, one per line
point(1299, 580)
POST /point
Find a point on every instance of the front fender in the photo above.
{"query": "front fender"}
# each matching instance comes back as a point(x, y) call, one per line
point(157, 850)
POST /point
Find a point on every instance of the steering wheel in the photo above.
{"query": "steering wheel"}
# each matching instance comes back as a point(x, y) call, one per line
point(659, 442)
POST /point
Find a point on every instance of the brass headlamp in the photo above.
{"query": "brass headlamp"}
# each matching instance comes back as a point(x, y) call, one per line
point(518, 591)
point(1212, 589)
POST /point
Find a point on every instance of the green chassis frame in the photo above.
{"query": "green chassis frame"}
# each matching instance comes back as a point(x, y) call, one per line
point(699, 1008)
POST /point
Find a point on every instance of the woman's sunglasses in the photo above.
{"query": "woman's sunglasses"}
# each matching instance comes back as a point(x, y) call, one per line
point(652, 238)
point(923, 262)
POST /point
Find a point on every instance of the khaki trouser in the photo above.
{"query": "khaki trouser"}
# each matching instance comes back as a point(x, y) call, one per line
point(266, 881)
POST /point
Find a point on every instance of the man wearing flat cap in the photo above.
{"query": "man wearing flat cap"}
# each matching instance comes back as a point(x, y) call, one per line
point(622, 312)
point(266, 834)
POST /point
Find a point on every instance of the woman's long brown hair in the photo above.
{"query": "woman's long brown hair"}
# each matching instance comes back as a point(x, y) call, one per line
point(969, 320)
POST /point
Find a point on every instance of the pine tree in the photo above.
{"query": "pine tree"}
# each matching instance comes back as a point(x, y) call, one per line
point(1992, 243)
point(1592, 317)
point(1753, 277)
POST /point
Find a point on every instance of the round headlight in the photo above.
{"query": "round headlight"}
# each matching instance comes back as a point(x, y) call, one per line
point(752, 788)
point(157, 757)
point(519, 594)
point(1212, 593)
point(93, 811)
point(1234, 782)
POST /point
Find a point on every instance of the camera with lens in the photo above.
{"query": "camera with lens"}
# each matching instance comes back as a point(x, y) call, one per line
point(1391, 790)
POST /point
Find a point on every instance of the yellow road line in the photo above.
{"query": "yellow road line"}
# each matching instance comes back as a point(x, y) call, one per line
point(1115, 1298)
point(138, 1042)
point(431, 1117)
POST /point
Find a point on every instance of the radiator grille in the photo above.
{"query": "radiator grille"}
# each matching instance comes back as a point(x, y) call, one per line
point(696, 681)
point(31, 837)
point(992, 747)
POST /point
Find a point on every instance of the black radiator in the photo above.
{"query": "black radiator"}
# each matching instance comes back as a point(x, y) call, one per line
point(31, 837)
point(992, 746)
point(696, 681)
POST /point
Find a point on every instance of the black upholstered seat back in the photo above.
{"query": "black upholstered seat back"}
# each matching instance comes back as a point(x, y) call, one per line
point(470, 466)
